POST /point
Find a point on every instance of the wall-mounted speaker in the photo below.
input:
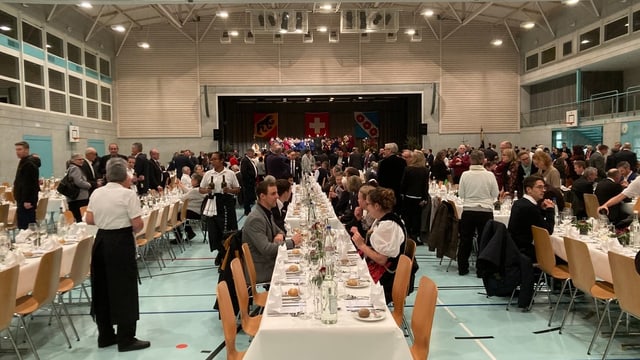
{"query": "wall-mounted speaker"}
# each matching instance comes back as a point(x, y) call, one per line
point(217, 134)
point(424, 129)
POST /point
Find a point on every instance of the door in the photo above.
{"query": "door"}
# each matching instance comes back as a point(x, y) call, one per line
point(42, 147)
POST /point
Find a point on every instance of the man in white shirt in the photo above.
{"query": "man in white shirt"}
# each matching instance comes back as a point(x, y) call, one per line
point(186, 177)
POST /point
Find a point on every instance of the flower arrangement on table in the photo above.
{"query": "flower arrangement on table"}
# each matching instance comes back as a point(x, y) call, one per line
point(624, 236)
point(584, 226)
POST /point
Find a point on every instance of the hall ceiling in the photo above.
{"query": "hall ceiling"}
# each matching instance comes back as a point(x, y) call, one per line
point(138, 14)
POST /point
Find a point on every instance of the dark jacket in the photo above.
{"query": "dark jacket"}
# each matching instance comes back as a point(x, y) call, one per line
point(580, 187)
point(444, 231)
point(501, 265)
point(605, 190)
point(141, 168)
point(524, 214)
point(25, 185)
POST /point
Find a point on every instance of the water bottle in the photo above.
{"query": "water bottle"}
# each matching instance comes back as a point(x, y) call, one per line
point(5, 243)
point(515, 195)
point(329, 291)
point(556, 213)
point(61, 224)
point(329, 243)
point(635, 230)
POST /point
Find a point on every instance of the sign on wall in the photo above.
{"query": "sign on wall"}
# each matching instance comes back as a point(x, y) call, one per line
point(571, 118)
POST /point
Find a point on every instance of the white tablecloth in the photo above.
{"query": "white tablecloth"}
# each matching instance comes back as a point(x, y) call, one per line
point(29, 269)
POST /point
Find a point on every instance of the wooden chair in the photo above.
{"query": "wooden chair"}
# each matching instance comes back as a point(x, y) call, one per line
point(44, 292)
point(399, 293)
point(8, 288)
point(83, 210)
point(583, 278)
point(228, 321)
point(161, 235)
point(547, 263)
point(250, 324)
point(174, 226)
point(80, 268)
point(627, 283)
point(410, 249)
point(422, 318)
point(591, 205)
point(41, 210)
point(636, 207)
point(4, 214)
point(69, 218)
point(8, 196)
point(185, 221)
point(143, 242)
point(259, 298)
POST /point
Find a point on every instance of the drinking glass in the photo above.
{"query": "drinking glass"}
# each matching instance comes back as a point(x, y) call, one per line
point(33, 234)
point(305, 295)
point(42, 231)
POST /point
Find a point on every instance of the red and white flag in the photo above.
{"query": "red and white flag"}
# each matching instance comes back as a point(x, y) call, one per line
point(316, 124)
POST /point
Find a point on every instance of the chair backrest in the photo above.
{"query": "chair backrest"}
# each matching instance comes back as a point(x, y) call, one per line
point(69, 218)
point(83, 210)
point(626, 282)
point(410, 249)
point(183, 211)
point(4, 213)
point(228, 320)
point(8, 195)
point(173, 221)
point(422, 317)
point(636, 207)
point(400, 287)
point(544, 250)
point(580, 266)
point(164, 218)
point(151, 225)
point(591, 205)
point(8, 288)
point(47, 278)
point(41, 210)
point(81, 264)
point(251, 268)
point(241, 291)
point(454, 208)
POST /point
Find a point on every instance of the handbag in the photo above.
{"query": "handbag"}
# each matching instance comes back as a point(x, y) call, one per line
point(67, 188)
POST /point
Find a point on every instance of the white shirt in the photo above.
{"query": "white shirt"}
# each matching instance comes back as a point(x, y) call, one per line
point(478, 188)
point(386, 238)
point(229, 177)
point(632, 190)
point(186, 181)
point(113, 206)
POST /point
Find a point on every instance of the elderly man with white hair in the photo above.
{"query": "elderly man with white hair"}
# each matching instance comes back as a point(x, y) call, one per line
point(186, 177)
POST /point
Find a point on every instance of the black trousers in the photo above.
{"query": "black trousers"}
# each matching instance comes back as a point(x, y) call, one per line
point(194, 216)
point(25, 216)
point(225, 220)
point(412, 216)
point(74, 207)
point(470, 223)
point(114, 284)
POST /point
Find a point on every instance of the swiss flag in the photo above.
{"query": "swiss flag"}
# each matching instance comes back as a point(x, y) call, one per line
point(316, 124)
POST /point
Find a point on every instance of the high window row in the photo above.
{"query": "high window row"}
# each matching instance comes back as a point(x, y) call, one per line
point(44, 71)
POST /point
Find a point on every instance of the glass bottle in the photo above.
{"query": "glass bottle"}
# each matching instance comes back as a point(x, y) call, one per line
point(224, 182)
point(329, 291)
point(61, 224)
point(212, 185)
point(5, 243)
point(635, 230)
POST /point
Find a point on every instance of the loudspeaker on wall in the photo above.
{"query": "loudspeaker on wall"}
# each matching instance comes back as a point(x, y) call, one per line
point(217, 134)
point(424, 129)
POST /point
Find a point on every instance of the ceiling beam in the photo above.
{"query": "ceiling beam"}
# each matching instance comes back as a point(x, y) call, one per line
point(126, 35)
point(93, 27)
point(206, 30)
point(513, 39)
point(432, 29)
point(120, 11)
point(546, 21)
point(595, 9)
point(53, 9)
point(469, 19)
point(455, 13)
point(172, 21)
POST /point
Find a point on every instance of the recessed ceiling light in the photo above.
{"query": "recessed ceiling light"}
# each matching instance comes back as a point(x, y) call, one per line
point(326, 7)
point(144, 45)
point(585, 41)
point(322, 29)
point(85, 5)
point(233, 33)
point(570, 2)
point(118, 28)
point(496, 42)
point(427, 12)
point(410, 31)
point(5, 28)
point(222, 14)
point(527, 25)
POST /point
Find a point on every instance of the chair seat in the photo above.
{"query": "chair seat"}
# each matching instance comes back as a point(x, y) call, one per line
point(66, 284)
point(141, 241)
point(260, 298)
point(26, 305)
point(251, 326)
point(603, 290)
point(560, 272)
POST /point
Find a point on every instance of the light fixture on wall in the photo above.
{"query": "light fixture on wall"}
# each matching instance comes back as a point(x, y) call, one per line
point(322, 29)
point(143, 45)
point(527, 25)
point(307, 38)
point(496, 42)
point(427, 12)
point(277, 38)
point(365, 38)
point(118, 28)
point(249, 38)
point(416, 37)
point(570, 2)
point(222, 14)
point(225, 38)
point(391, 37)
point(334, 37)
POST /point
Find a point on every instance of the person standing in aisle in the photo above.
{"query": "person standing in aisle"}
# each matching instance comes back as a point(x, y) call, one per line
point(25, 185)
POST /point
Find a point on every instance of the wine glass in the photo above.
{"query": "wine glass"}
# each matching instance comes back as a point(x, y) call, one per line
point(305, 290)
point(33, 234)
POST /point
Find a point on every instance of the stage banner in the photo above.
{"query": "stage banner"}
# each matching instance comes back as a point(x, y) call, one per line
point(265, 125)
point(316, 124)
point(367, 124)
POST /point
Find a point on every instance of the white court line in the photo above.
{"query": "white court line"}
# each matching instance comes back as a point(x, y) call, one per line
point(477, 341)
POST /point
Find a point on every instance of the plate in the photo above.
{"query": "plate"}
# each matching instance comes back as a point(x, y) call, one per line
point(379, 315)
point(294, 254)
point(361, 284)
point(70, 242)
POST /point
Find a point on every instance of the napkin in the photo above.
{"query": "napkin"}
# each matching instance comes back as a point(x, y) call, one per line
point(282, 252)
point(49, 243)
point(210, 208)
point(21, 237)
point(573, 233)
point(613, 244)
point(13, 258)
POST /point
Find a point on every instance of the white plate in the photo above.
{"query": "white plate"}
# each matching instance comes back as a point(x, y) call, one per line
point(293, 272)
point(379, 315)
point(291, 253)
point(361, 284)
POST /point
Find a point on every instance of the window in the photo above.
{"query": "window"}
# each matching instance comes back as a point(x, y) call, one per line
point(9, 66)
point(9, 92)
point(532, 61)
point(33, 73)
point(636, 20)
point(75, 85)
point(105, 94)
point(74, 54)
point(105, 68)
point(567, 48)
point(92, 90)
point(57, 102)
point(106, 112)
point(90, 61)
point(590, 39)
point(34, 97)
point(616, 28)
point(548, 55)
point(56, 80)
point(76, 106)
point(31, 35)
point(92, 109)
point(55, 45)
point(9, 25)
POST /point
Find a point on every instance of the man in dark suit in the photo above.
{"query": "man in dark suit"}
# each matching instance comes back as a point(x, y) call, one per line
point(284, 197)
point(248, 186)
point(295, 168)
point(582, 185)
point(25, 185)
point(179, 161)
point(626, 175)
point(277, 164)
point(90, 168)
point(356, 159)
point(113, 152)
point(141, 168)
point(607, 189)
point(390, 171)
point(597, 160)
point(526, 169)
point(530, 210)
point(156, 178)
point(625, 154)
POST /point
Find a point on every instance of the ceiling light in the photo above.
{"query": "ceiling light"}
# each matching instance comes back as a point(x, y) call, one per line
point(322, 29)
point(49, 46)
point(427, 12)
point(410, 31)
point(585, 41)
point(118, 28)
point(223, 14)
point(5, 28)
point(527, 25)
point(85, 5)
point(144, 45)
point(233, 33)
point(331, 99)
point(326, 7)
point(496, 42)
point(570, 2)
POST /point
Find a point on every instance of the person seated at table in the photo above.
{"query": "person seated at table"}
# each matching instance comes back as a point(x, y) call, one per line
point(531, 209)
point(582, 185)
point(550, 175)
point(608, 189)
point(348, 201)
point(386, 239)
point(186, 177)
point(632, 191)
point(282, 203)
point(195, 204)
point(362, 219)
point(626, 175)
point(79, 180)
point(337, 188)
point(262, 234)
